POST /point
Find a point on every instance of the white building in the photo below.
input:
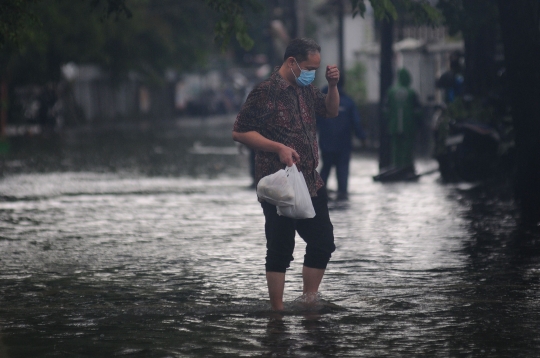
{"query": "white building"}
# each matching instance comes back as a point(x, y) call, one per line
point(423, 51)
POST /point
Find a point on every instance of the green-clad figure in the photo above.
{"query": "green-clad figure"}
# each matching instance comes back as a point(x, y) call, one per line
point(402, 111)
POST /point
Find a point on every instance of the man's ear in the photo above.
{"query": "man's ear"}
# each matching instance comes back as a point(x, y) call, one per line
point(290, 61)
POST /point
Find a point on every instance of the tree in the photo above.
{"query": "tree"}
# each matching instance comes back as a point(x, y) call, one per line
point(483, 24)
point(151, 40)
point(16, 16)
point(520, 25)
point(147, 38)
point(233, 21)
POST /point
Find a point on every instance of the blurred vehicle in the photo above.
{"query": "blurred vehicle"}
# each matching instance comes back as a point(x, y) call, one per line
point(468, 149)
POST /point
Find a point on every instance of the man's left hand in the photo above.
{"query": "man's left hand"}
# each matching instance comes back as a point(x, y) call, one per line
point(332, 75)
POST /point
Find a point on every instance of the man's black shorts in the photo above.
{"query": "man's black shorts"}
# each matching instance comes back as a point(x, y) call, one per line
point(318, 233)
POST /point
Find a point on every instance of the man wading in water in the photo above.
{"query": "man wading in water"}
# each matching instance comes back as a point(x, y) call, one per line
point(278, 120)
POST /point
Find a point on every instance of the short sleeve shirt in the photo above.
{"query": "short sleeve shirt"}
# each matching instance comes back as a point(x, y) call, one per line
point(286, 114)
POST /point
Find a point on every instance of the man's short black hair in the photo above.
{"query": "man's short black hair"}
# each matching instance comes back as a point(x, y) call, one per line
point(301, 48)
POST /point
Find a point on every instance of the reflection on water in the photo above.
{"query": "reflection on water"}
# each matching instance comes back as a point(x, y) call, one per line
point(149, 244)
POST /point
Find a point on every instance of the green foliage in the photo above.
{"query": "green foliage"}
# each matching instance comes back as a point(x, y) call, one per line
point(19, 16)
point(15, 17)
point(112, 7)
point(468, 16)
point(476, 110)
point(355, 86)
point(233, 21)
point(460, 110)
point(420, 10)
point(383, 9)
point(153, 39)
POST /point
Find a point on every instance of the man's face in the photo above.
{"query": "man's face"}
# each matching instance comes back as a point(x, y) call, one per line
point(312, 63)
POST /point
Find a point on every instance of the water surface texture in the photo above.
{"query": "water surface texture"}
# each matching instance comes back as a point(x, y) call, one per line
point(151, 244)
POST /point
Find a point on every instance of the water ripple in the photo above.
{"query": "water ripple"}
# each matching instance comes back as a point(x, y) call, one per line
point(130, 265)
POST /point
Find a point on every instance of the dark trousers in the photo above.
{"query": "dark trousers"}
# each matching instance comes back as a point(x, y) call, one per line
point(318, 233)
point(339, 160)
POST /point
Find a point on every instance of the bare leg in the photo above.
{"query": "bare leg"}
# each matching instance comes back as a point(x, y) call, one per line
point(276, 286)
point(312, 279)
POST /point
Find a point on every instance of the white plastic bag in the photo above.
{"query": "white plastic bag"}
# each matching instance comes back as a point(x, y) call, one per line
point(303, 207)
point(276, 189)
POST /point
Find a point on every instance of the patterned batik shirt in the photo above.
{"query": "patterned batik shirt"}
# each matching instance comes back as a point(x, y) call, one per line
point(286, 114)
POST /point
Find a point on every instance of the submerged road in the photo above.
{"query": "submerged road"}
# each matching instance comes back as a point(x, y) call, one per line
point(152, 245)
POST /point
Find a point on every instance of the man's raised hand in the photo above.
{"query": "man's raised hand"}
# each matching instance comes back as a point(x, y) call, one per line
point(332, 75)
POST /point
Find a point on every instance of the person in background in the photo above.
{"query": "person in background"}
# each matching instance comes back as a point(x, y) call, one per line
point(452, 81)
point(335, 140)
point(278, 120)
point(403, 112)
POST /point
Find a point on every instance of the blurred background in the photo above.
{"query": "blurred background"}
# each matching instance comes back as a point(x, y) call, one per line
point(76, 66)
point(128, 221)
point(75, 73)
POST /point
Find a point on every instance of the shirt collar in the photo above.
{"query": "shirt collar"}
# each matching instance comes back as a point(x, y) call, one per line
point(280, 81)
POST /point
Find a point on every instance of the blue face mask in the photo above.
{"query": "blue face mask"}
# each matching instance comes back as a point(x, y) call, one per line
point(305, 78)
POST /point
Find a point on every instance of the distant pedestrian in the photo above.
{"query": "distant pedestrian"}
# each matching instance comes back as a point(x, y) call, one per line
point(278, 120)
point(403, 112)
point(335, 140)
point(452, 81)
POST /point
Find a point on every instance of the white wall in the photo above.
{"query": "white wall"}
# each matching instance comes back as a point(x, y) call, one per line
point(425, 62)
point(357, 33)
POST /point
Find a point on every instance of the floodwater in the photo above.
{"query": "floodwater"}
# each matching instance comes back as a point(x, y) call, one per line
point(149, 243)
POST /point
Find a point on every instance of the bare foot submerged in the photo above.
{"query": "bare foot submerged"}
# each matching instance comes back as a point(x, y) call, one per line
point(311, 301)
point(314, 302)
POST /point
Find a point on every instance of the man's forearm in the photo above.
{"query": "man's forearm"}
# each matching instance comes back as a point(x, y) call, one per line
point(332, 102)
point(256, 141)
